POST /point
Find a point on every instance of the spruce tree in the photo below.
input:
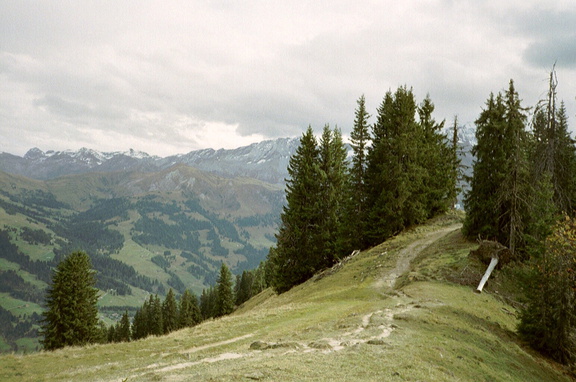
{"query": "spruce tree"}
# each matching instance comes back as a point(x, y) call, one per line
point(189, 312)
point(169, 313)
point(497, 205)
point(139, 323)
point(155, 319)
point(549, 319)
point(294, 259)
point(395, 176)
point(554, 152)
point(514, 191)
point(438, 160)
point(456, 168)
point(333, 180)
point(356, 210)
point(490, 152)
point(123, 329)
point(208, 303)
point(225, 294)
point(244, 287)
point(71, 316)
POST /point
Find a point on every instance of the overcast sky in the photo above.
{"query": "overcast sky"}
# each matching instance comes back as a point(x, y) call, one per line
point(168, 77)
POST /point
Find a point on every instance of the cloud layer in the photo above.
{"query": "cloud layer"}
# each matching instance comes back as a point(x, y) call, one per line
point(173, 76)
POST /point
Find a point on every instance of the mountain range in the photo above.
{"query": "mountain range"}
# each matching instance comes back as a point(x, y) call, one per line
point(266, 161)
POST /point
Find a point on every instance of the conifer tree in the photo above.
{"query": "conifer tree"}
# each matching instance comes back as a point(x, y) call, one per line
point(71, 317)
point(111, 335)
point(225, 294)
point(155, 319)
point(549, 320)
point(394, 175)
point(208, 303)
point(260, 278)
point(169, 313)
point(139, 322)
point(490, 151)
point(189, 312)
point(497, 205)
point(438, 160)
point(244, 287)
point(356, 209)
point(514, 191)
point(123, 329)
point(333, 180)
point(554, 152)
point(293, 260)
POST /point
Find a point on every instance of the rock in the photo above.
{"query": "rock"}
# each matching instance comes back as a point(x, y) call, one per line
point(377, 341)
point(320, 345)
point(259, 345)
point(256, 376)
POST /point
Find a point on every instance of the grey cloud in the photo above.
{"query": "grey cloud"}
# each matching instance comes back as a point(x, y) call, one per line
point(555, 49)
point(77, 110)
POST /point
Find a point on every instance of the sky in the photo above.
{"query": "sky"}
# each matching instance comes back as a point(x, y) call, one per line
point(169, 77)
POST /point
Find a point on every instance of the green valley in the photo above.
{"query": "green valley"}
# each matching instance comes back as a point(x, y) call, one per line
point(145, 233)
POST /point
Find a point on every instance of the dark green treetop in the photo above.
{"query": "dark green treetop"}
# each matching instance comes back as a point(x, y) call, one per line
point(71, 316)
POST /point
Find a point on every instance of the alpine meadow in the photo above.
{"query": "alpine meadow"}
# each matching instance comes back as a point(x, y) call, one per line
point(359, 260)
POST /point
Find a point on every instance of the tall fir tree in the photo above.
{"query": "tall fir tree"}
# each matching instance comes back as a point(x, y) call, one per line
point(139, 322)
point(123, 333)
point(71, 316)
point(554, 152)
point(155, 319)
point(548, 321)
point(514, 191)
point(395, 175)
point(225, 293)
point(333, 179)
point(208, 302)
point(497, 205)
point(355, 208)
point(456, 171)
point(293, 260)
point(244, 287)
point(169, 313)
point(439, 161)
point(189, 313)
point(490, 152)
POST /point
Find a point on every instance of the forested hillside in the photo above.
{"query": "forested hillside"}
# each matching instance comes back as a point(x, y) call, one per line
point(144, 233)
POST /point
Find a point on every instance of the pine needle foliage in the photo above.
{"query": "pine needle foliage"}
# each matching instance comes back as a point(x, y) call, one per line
point(549, 321)
point(71, 316)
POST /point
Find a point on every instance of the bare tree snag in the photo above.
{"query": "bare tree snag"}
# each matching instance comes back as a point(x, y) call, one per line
point(491, 253)
point(491, 267)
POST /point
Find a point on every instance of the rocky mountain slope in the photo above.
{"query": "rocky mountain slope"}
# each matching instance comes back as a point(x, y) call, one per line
point(266, 161)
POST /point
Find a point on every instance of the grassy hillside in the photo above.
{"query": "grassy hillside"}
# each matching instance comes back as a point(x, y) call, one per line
point(402, 311)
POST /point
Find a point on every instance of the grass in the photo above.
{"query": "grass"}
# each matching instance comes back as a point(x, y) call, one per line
point(343, 324)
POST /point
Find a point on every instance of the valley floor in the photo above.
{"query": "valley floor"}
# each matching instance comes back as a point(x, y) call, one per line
point(392, 313)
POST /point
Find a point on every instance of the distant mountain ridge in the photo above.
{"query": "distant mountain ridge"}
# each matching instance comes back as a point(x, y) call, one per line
point(266, 161)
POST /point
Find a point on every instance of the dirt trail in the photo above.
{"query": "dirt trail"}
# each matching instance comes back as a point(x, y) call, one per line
point(406, 255)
